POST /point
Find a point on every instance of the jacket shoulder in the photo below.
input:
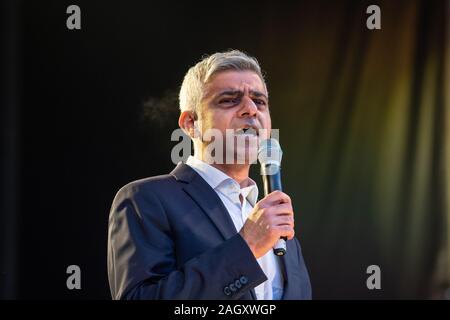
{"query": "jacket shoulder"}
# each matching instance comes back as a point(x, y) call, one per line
point(153, 185)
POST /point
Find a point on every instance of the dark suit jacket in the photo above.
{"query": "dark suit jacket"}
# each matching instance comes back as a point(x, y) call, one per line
point(171, 237)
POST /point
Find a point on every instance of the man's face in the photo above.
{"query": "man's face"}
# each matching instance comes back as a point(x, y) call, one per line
point(236, 100)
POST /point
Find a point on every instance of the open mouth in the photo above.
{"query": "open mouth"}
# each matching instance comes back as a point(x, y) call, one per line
point(247, 131)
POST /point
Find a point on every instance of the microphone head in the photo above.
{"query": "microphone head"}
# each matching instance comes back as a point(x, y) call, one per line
point(269, 152)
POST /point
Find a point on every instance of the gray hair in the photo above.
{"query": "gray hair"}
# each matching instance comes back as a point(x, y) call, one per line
point(191, 92)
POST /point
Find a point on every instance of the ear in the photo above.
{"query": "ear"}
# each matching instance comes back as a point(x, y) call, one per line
point(186, 121)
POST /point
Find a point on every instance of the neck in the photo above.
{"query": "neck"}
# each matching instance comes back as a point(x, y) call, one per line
point(238, 172)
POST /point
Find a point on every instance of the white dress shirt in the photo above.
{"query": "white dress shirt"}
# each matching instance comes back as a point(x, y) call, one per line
point(229, 191)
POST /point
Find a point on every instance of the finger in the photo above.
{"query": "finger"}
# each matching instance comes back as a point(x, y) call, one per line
point(283, 221)
point(276, 197)
point(286, 231)
point(282, 209)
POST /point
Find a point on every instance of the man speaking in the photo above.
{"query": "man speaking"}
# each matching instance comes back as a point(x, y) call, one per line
point(199, 232)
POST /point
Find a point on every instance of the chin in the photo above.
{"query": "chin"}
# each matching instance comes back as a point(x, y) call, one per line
point(243, 150)
point(246, 155)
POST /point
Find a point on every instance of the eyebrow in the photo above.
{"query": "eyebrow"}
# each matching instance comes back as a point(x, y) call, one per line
point(240, 93)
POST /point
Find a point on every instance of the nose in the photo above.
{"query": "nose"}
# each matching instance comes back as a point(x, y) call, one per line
point(249, 107)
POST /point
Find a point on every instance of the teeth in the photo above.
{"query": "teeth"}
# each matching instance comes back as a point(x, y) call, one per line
point(247, 131)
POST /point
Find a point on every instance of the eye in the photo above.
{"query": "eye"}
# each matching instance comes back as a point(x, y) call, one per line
point(228, 101)
point(259, 102)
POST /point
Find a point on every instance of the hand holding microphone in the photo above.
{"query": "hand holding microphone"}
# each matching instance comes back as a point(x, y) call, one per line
point(272, 220)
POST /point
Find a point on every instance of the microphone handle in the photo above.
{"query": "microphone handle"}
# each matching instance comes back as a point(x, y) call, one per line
point(272, 181)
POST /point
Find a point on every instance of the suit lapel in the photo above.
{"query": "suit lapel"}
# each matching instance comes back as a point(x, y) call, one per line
point(208, 200)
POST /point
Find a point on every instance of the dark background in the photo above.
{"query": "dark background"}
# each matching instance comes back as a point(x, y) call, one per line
point(86, 111)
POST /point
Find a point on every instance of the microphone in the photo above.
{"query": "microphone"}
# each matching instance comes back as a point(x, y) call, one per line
point(269, 156)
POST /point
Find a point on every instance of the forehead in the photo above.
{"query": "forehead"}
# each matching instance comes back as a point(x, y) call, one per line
point(234, 80)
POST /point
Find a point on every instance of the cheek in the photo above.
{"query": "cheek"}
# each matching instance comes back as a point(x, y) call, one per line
point(222, 120)
point(207, 121)
point(266, 121)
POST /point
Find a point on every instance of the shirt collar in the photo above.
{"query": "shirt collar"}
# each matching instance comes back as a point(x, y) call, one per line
point(250, 193)
point(218, 180)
